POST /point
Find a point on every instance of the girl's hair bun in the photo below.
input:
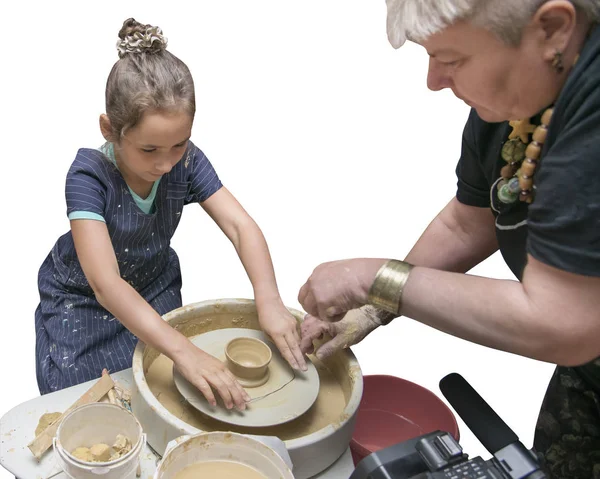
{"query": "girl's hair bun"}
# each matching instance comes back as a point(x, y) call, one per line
point(138, 38)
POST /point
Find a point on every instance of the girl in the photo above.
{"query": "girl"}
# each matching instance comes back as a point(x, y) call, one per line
point(107, 282)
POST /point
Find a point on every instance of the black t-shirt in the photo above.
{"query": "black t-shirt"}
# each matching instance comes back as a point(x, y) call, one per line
point(561, 228)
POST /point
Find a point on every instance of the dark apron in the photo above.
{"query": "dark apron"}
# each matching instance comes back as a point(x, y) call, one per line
point(75, 336)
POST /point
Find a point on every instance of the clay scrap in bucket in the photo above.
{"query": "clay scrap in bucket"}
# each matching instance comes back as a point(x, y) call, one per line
point(286, 395)
point(43, 441)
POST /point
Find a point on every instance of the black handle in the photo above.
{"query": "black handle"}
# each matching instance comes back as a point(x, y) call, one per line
point(487, 426)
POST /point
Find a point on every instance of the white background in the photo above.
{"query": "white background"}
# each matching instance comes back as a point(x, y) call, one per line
point(325, 133)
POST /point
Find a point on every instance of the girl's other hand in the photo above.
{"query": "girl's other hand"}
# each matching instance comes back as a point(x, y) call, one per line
point(206, 372)
point(282, 327)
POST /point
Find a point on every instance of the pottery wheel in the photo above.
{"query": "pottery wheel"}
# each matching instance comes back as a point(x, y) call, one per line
point(286, 395)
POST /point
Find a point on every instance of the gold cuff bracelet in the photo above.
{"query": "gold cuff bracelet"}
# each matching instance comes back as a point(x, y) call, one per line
point(386, 290)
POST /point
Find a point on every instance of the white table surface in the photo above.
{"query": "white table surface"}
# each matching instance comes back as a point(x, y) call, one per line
point(17, 429)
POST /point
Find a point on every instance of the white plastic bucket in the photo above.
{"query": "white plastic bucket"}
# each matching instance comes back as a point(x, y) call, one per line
point(98, 423)
point(224, 446)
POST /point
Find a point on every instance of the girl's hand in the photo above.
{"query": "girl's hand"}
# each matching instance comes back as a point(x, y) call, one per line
point(203, 371)
point(282, 327)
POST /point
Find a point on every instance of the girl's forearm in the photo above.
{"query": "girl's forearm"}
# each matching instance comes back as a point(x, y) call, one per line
point(125, 303)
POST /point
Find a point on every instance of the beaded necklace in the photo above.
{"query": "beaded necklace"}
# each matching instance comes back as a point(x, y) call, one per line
point(522, 157)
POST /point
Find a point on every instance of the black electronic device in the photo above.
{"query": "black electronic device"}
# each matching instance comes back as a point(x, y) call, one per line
point(438, 455)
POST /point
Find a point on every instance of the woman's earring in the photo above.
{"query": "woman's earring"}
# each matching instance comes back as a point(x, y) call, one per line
point(557, 62)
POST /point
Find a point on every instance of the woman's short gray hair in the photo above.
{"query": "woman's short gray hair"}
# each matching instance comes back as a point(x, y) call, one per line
point(418, 19)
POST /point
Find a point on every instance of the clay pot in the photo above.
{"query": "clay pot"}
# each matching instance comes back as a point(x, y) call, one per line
point(248, 359)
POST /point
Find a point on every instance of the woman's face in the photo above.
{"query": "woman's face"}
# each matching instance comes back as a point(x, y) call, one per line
point(501, 82)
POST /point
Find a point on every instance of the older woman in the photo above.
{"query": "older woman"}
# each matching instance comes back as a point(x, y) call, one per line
point(528, 184)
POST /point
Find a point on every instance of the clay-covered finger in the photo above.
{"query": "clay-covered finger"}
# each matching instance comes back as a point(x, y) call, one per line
point(306, 343)
point(328, 349)
point(216, 381)
point(312, 329)
point(294, 347)
point(236, 395)
point(206, 390)
point(305, 326)
point(238, 386)
point(306, 340)
point(242, 391)
point(297, 339)
point(309, 323)
point(339, 342)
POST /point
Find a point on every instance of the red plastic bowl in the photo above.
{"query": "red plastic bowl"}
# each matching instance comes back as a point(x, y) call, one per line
point(393, 410)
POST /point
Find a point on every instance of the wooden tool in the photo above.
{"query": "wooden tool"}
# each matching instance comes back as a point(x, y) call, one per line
point(113, 400)
point(41, 443)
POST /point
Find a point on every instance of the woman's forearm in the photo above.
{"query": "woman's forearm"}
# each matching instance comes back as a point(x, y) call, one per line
point(458, 239)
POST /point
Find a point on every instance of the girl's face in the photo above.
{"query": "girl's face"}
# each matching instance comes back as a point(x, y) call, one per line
point(151, 148)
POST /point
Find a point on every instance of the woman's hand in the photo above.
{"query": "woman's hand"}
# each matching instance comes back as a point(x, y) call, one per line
point(206, 372)
point(350, 330)
point(339, 286)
